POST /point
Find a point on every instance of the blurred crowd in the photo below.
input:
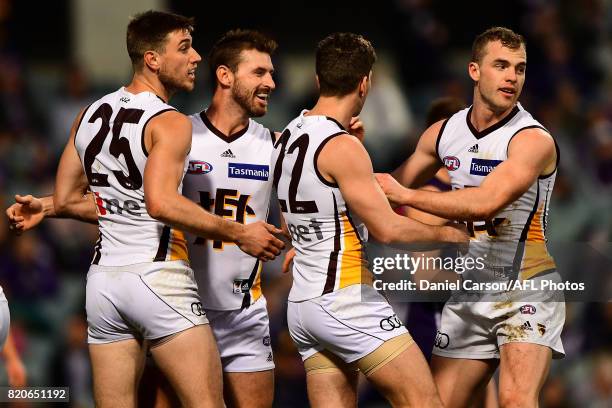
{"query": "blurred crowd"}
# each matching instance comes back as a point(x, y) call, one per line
point(568, 89)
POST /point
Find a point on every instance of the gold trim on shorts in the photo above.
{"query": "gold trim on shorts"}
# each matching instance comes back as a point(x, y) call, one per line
point(325, 361)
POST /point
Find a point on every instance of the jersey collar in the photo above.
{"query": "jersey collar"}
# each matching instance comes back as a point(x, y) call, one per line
point(226, 138)
point(493, 127)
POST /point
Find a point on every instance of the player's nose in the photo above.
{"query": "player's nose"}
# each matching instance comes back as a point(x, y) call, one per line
point(269, 81)
point(196, 57)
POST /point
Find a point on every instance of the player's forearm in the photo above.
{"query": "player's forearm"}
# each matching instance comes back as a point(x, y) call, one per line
point(78, 207)
point(398, 229)
point(471, 204)
point(182, 213)
point(48, 207)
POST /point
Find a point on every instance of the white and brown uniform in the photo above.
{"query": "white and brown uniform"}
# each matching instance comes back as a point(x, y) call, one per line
point(229, 175)
point(139, 283)
point(331, 304)
point(513, 245)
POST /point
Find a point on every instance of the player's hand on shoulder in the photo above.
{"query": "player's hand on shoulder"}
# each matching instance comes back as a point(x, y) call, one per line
point(257, 240)
point(356, 128)
point(25, 213)
point(392, 189)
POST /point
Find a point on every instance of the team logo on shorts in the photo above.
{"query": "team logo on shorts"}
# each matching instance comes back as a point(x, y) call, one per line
point(199, 167)
point(442, 340)
point(196, 309)
point(451, 163)
point(391, 323)
point(527, 309)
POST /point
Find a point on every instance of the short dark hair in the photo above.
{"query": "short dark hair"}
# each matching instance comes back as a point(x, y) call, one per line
point(148, 31)
point(226, 51)
point(343, 59)
point(508, 38)
point(443, 108)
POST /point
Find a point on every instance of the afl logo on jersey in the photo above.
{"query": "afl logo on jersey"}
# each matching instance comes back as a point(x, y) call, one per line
point(451, 163)
point(199, 167)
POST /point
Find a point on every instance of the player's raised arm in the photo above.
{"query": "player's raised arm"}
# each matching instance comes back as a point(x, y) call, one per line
point(423, 163)
point(356, 181)
point(168, 139)
point(531, 153)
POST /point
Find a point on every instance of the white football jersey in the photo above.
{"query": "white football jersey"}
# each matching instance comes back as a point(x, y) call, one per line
point(228, 176)
point(327, 238)
point(110, 144)
point(513, 243)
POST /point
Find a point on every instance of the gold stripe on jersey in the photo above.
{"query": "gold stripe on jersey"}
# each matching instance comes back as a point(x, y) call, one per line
point(536, 258)
point(351, 266)
point(535, 233)
point(178, 246)
point(256, 287)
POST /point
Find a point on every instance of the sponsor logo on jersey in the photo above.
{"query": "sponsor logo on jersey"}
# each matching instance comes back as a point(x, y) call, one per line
point(482, 167)
point(442, 340)
point(451, 163)
point(228, 153)
point(199, 167)
point(248, 171)
point(527, 326)
point(241, 286)
point(527, 309)
point(473, 149)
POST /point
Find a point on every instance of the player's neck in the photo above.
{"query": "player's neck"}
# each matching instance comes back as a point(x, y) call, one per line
point(226, 115)
point(483, 116)
point(340, 109)
point(146, 83)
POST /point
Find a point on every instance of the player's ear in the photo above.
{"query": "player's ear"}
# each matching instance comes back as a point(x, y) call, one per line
point(474, 71)
point(225, 76)
point(364, 85)
point(152, 60)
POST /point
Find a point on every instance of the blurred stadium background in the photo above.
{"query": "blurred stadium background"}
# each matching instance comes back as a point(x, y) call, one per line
point(56, 57)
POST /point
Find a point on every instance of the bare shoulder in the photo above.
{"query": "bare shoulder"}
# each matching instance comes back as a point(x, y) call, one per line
point(344, 154)
point(170, 118)
point(429, 138)
point(344, 142)
point(532, 139)
point(536, 147)
point(170, 125)
point(78, 118)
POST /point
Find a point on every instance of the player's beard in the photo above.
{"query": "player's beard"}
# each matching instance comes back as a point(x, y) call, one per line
point(171, 83)
point(246, 99)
